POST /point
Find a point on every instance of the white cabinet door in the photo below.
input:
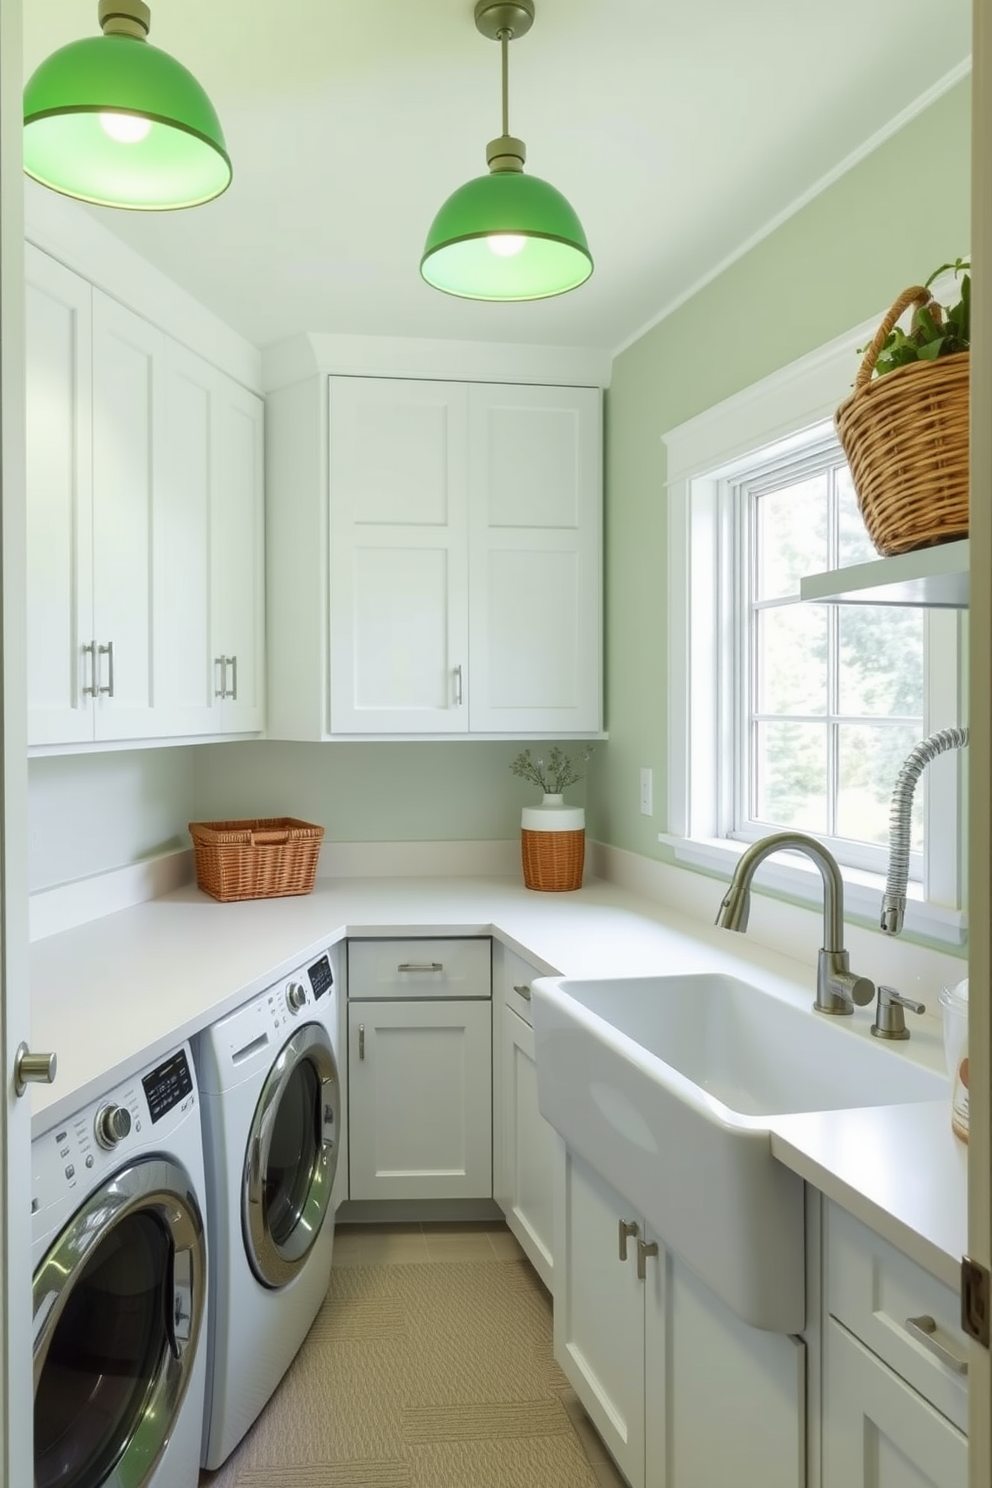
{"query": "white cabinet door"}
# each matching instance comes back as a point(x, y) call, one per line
point(237, 571)
point(756, 1380)
point(535, 559)
point(529, 1150)
point(877, 1431)
point(420, 1099)
point(59, 473)
point(599, 1310)
point(128, 356)
point(398, 560)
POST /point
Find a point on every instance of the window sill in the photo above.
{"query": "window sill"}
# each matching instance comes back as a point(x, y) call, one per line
point(797, 878)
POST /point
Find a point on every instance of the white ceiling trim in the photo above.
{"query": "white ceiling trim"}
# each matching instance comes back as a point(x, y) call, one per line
point(868, 147)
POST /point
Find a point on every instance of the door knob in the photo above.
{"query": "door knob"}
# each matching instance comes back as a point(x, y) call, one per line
point(33, 1069)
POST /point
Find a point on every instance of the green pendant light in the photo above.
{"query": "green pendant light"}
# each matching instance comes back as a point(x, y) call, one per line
point(114, 121)
point(506, 236)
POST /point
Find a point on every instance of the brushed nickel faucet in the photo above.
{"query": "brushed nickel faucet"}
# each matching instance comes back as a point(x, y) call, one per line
point(838, 988)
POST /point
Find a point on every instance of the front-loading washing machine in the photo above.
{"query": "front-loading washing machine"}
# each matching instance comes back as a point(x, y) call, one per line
point(120, 1283)
point(269, 1085)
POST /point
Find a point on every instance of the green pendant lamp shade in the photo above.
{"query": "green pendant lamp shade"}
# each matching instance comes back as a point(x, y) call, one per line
point(506, 236)
point(114, 121)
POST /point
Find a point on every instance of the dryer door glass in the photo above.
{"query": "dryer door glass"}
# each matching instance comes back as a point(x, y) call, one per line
point(118, 1306)
point(292, 1157)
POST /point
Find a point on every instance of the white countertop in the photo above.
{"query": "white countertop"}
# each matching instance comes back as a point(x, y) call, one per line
point(119, 992)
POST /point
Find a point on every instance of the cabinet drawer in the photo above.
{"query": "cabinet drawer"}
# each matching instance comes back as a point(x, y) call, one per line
point(877, 1292)
point(449, 967)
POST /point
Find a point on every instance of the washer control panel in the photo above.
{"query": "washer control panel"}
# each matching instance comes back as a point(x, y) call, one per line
point(296, 996)
point(321, 977)
point(123, 1122)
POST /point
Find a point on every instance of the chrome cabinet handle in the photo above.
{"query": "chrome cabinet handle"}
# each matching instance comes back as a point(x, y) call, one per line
point(645, 1249)
point(627, 1227)
point(108, 652)
point(234, 678)
point(221, 691)
point(420, 966)
point(361, 1040)
point(90, 650)
point(33, 1069)
point(458, 686)
point(924, 1330)
point(523, 991)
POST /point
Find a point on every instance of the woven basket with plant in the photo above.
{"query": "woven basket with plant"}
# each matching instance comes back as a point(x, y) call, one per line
point(904, 429)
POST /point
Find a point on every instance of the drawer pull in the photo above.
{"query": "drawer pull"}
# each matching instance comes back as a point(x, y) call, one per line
point(420, 966)
point(523, 991)
point(627, 1227)
point(924, 1330)
point(361, 1040)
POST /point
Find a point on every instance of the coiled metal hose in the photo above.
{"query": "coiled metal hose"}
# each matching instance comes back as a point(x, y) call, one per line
point(894, 898)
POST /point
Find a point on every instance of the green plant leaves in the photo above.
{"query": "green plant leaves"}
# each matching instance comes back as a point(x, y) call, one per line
point(935, 330)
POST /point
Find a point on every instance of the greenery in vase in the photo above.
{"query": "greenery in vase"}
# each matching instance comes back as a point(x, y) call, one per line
point(555, 772)
point(935, 330)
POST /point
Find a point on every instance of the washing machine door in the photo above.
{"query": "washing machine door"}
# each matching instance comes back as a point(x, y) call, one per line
point(118, 1306)
point(292, 1156)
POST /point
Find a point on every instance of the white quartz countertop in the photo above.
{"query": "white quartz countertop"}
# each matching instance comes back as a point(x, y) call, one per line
point(115, 994)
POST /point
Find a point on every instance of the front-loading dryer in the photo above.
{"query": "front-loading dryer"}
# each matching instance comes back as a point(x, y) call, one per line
point(120, 1282)
point(271, 1099)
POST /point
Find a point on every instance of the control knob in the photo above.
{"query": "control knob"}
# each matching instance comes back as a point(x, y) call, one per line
point(296, 996)
point(112, 1125)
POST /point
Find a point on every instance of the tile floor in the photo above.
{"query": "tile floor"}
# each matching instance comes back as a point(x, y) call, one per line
point(399, 1244)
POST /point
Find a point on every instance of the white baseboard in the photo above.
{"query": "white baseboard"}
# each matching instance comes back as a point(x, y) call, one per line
point(67, 905)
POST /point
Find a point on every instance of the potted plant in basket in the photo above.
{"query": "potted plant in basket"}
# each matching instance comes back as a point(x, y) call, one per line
point(904, 429)
point(552, 835)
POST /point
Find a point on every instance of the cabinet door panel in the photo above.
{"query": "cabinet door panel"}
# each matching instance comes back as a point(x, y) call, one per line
point(877, 1431)
point(534, 567)
point(126, 391)
point(238, 557)
point(398, 597)
point(599, 1311)
point(420, 1100)
point(58, 406)
point(529, 1150)
point(181, 606)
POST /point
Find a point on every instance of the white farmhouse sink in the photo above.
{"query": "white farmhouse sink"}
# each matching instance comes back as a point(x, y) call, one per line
point(667, 1086)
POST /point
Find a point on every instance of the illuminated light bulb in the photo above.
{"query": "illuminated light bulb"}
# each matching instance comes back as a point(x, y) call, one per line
point(506, 245)
point(127, 129)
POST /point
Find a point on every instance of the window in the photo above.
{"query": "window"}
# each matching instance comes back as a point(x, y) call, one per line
point(791, 715)
point(831, 696)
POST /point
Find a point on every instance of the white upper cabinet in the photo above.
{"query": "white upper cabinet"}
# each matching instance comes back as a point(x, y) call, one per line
point(399, 559)
point(534, 569)
point(145, 564)
point(461, 590)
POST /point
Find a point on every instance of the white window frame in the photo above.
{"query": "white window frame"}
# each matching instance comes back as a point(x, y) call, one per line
point(702, 453)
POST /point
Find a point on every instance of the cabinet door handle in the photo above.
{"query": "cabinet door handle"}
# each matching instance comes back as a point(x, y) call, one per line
point(645, 1249)
point(221, 691)
point(627, 1227)
point(361, 1040)
point(420, 966)
point(458, 686)
point(924, 1330)
point(90, 650)
point(523, 991)
point(234, 678)
point(108, 652)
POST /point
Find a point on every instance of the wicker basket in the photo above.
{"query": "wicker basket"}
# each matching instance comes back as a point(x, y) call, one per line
point(905, 435)
point(261, 858)
point(553, 861)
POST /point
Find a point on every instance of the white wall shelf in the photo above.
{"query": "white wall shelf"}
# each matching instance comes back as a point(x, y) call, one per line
point(936, 577)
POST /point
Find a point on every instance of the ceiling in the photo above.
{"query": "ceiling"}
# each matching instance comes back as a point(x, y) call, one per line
point(678, 131)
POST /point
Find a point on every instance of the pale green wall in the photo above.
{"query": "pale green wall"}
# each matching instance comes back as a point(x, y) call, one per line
point(840, 261)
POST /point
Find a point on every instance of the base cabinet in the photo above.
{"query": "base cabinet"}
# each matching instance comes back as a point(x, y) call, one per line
point(420, 1069)
point(527, 1148)
point(683, 1393)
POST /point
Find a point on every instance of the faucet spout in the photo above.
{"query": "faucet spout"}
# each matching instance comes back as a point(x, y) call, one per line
point(837, 987)
point(894, 898)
